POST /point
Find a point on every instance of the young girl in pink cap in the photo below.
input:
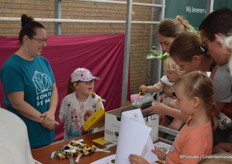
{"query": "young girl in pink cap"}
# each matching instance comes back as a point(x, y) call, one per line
point(79, 103)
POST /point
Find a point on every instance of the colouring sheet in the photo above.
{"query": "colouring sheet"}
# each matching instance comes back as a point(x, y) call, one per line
point(134, 138)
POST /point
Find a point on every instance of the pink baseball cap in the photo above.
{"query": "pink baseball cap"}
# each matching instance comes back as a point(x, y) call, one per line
point(82, 74)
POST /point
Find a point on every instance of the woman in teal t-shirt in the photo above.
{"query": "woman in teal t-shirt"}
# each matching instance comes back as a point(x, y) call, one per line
point(29, 84)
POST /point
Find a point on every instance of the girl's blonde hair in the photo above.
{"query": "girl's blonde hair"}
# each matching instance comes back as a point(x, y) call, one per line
point(173, 27)
point(169, 64)
point(197, 84)
point(185, 46)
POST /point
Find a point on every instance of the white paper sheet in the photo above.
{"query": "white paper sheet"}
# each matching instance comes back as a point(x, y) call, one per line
point(134, 138)
point(105, 160)
point(146, 153)
point(37, 162)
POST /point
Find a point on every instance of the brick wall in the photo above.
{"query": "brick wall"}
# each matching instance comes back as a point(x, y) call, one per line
point(74, 9)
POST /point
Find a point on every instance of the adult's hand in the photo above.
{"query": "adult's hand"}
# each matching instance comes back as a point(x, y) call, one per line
point(49, 121)
point(157, 108)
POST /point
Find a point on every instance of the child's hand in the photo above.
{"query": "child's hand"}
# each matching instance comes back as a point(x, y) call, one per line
point(135, 159)
point(142, 88)
point(160, 154)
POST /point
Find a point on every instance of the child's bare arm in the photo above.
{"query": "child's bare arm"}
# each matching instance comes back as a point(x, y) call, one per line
point(162, 109)
point(152, 88)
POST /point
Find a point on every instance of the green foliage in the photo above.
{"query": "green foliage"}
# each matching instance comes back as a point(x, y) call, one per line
point(194, 29)
point(156, 53)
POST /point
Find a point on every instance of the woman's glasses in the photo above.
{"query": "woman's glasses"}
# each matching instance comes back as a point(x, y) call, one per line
point(203, 47)
point(40, 40)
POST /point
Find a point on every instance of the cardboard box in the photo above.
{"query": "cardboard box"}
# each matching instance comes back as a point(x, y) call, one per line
point(113, 120)
point(96, 120)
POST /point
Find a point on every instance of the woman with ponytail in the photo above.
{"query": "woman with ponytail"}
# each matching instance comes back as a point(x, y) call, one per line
point(168, 29)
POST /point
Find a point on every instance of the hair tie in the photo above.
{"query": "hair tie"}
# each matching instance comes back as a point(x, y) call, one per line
point(177, 17)
point(212, 113)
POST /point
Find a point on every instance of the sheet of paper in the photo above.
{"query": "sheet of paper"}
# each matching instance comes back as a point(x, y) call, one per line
point(37, 162)
point(106, 160)
point(147, 154)
point(134, 138)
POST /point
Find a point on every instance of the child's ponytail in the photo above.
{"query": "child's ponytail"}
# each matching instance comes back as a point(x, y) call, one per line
point(212, 116)
point(70, 87)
